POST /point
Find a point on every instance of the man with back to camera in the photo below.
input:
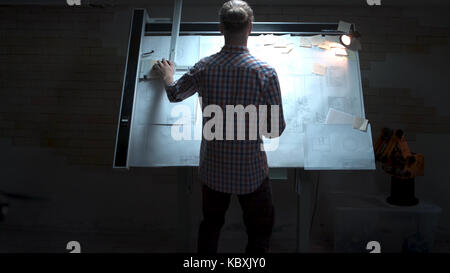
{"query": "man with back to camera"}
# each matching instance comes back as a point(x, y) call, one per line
point(232, 77)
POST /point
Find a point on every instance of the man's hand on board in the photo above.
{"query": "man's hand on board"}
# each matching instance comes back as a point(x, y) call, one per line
point(165, 69)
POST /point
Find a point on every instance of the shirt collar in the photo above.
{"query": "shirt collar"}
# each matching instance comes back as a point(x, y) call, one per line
point(235, 49)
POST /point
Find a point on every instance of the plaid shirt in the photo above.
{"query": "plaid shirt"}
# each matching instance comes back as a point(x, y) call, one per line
point(231, 77)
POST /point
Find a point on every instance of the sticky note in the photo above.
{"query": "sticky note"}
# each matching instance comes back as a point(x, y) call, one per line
point(317, 40)
point(146, 69)
point(305, 42)
point(344, 26)
point(283, 41)
point(319, 69)
point(153, 73)
point(340, 52)
point(325, 45)
point(360, 124)
point(336, 45)
point(338, 117)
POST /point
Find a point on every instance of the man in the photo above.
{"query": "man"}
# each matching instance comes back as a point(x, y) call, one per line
point(232, 77)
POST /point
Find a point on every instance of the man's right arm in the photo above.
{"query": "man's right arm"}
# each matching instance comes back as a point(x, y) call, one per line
point(272, 94)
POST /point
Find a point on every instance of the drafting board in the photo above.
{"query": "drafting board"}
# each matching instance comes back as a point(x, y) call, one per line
point(307, 142)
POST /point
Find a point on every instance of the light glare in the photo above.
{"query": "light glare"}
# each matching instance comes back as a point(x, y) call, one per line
point(346, 40)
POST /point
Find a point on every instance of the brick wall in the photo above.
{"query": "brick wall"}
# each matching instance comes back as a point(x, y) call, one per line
point(60, 85)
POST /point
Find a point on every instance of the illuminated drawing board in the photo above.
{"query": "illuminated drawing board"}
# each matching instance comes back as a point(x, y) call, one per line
point(308, 141)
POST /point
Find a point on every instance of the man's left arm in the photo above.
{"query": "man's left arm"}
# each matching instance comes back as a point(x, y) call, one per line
point(184, 87)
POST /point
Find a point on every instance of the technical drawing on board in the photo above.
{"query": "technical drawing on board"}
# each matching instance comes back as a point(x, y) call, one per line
point(309, 95)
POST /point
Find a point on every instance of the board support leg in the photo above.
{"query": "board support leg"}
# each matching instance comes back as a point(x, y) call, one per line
point(184, 223)
point(305, 187)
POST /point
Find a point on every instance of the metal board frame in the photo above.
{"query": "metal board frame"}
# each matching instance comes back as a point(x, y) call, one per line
point(128, 89)
point(142, 25)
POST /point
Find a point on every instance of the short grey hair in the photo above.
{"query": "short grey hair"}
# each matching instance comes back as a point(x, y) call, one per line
point(235, 15)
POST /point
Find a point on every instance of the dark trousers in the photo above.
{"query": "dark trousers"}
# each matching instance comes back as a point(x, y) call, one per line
point(258, 214)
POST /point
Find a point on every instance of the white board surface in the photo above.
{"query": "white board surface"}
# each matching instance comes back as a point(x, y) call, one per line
point(307, 98)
